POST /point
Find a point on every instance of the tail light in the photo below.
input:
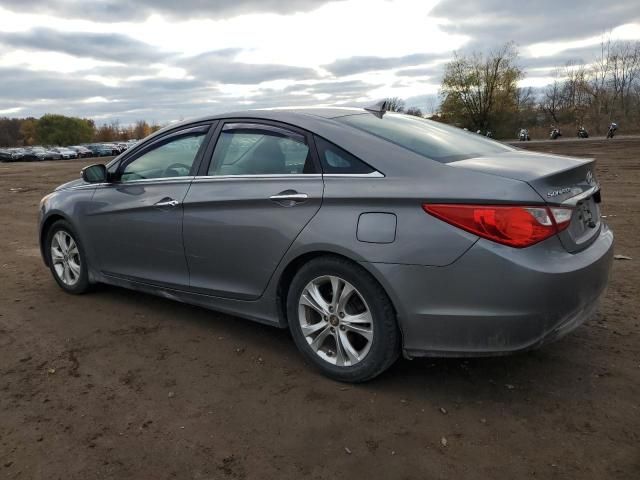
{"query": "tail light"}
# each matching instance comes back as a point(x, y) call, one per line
point(514, 225)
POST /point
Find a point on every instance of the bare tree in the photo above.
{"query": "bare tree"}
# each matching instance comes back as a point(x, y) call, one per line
point(552, 98)
point(415, 111)
point(625, 66)
point(597, 81)
point(395, 104)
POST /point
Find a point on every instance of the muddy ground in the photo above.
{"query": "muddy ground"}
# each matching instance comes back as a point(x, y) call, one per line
point(115, 385)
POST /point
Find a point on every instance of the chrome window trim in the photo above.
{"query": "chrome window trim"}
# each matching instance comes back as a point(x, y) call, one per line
point(374, 174)
point(297, 176)
point(269, 176)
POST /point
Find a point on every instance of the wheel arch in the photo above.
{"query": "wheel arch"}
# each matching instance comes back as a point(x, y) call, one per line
point(294, 265)
point(44, 229)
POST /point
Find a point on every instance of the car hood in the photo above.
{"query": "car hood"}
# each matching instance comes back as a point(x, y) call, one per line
point(73, 183)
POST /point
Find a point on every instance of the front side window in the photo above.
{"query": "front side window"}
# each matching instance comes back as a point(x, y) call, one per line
point(255, 150)
point(171, 159)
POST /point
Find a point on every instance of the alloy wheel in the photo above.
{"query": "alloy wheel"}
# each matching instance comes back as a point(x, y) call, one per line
point(335, 321)
point(65, 257)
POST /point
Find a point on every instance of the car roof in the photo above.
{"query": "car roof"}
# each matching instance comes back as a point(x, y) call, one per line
point(304, 117)
point(322, 121)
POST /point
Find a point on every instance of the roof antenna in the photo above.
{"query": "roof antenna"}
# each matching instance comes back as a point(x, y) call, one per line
point(379, 108)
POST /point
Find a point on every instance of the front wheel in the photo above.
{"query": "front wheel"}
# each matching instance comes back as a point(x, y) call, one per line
point(342, 320)
point(66, 258)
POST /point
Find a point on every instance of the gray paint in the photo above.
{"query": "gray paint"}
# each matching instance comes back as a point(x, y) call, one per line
point(226, 245)
point(377, 227)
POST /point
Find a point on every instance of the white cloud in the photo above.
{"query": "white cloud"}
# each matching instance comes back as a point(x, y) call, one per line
point(49, 61)
point(629, 31)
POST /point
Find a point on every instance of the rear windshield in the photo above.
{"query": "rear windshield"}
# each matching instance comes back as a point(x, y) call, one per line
point(430, 139)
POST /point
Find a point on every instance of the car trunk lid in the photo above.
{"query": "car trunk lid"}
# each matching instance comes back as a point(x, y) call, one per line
point(559, 180)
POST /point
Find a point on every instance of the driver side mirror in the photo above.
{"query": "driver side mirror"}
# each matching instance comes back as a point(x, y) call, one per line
point(95, 173)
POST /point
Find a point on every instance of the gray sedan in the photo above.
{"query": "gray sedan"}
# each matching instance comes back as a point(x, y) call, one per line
point(368, 234)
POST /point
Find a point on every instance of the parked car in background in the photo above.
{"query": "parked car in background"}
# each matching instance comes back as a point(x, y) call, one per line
point(30, 155)
point(100, 150)
point(9, 155)
point(83, 152)
point(46, 154)
point(66, 153)
point(368, 234)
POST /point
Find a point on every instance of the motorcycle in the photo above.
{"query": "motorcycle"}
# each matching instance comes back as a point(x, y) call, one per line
point(612, 130)
point(524, 135)
point(555, 133)
point(582, 133)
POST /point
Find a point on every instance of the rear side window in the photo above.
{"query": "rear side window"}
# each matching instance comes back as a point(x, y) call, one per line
point(430, 139)
point(260, 150)
point(337, 160)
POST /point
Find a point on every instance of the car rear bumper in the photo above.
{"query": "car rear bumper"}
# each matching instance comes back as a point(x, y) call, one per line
point(495, 299)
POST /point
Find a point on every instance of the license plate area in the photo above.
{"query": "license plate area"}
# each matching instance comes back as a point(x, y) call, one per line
point(585, 223)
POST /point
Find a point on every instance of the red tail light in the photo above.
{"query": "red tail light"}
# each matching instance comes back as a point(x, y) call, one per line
point(514, 225)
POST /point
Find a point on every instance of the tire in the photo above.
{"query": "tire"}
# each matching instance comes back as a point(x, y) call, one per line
point(69, 268)
point(359, 356)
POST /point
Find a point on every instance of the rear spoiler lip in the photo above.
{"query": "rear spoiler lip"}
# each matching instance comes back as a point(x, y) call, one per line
point(573, 201)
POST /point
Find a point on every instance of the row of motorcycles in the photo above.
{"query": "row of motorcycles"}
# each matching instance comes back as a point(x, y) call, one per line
point(555, 132)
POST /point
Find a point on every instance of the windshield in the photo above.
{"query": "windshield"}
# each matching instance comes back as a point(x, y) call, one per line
point(430, 139)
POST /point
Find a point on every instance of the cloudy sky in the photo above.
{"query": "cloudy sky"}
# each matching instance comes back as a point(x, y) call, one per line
point(164, 60)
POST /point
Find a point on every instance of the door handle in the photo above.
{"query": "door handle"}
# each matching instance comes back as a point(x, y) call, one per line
point(167, 202)
point(291, 197)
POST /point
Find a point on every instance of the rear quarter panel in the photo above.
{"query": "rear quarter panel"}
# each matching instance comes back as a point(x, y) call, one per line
point(420, 239)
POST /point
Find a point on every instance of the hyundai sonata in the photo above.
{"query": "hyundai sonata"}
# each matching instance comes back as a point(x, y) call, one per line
point(368, 234)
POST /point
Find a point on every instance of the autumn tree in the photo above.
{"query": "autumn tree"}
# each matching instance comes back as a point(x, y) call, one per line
point(478, 90)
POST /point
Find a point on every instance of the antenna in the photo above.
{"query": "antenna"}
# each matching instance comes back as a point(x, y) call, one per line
point(378, 109)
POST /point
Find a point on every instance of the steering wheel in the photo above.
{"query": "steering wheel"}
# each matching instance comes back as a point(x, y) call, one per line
point(175, 167)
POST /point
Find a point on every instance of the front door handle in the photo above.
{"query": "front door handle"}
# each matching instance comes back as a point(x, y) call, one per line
point(295, 197)
point(289, 198)
point(167, 202)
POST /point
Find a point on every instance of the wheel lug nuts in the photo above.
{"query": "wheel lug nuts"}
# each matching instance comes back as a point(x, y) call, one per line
point(341, 314)
point(333, 329)
point(342, 327)
point(331, 309)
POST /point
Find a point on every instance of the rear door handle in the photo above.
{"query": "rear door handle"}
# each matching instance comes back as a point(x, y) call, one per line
point(167, 202)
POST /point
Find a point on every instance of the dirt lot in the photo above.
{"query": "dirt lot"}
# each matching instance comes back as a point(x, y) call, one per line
point(117, 385)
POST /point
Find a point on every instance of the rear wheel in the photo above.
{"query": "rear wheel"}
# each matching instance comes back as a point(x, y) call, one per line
point(342, 320)
point(66, 258)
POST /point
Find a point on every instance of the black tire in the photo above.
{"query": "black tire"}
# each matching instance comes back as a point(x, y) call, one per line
point(82, 284)
point(385, 344)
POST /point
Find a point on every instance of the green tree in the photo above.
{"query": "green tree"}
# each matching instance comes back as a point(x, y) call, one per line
point(60, 130)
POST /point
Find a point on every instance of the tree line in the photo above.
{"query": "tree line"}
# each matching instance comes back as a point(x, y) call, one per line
point(53, 129)
point(480, 92)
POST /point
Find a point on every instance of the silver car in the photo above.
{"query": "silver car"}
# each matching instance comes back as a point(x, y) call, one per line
point(368, 234)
